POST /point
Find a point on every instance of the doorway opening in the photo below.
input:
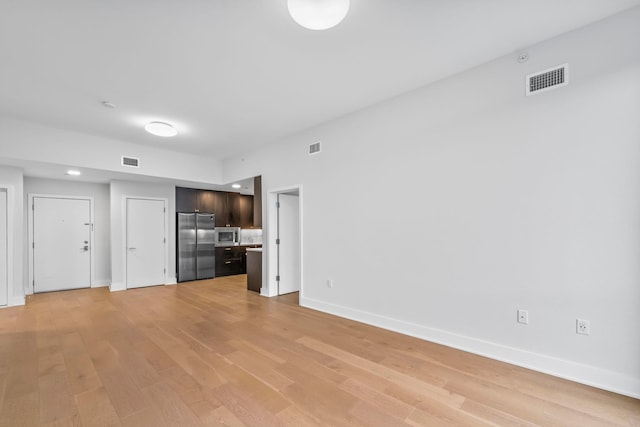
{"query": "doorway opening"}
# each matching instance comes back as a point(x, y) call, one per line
point(285, 249)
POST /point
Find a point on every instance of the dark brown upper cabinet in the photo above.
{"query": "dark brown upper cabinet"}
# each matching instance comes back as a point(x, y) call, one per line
point(233, 199)
point(227, 209)
point(186, 199)
point(246, 211)
point(257, 202)
point(207, 201)
point(230, 209)
point(193, 200)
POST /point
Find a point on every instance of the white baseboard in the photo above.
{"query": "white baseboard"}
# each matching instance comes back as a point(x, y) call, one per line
point(264, 291)
point(101, 283)
point(16, 301)
point(171, 281)
point(117, 286)
point(585, 374)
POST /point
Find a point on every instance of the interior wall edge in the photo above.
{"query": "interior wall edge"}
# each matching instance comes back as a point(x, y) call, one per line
point(36, 142)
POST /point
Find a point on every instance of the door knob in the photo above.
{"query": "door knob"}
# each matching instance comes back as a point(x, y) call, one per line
point(85, 248)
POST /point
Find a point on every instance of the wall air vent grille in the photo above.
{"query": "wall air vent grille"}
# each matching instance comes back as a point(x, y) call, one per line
point(132, 162)
point(543, 81)
point(314, 148)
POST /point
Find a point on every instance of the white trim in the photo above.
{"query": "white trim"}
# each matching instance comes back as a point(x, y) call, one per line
point(269, 274)
point(29, 289)
point(125, 198)
point(269, 284)
point(101, 283)
point(12, 299)
point(117, 287)
point(16, 301)
point(567, 369)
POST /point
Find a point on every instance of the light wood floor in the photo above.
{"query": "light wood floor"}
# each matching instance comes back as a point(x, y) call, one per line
point(210, 353)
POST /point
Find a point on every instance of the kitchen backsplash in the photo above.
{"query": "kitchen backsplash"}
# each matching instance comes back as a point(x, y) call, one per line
point(251, 236)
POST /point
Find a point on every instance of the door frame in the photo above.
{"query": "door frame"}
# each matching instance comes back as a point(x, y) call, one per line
point(272, 254)
point(10, 297)
point(125, 200)
point(31, 196)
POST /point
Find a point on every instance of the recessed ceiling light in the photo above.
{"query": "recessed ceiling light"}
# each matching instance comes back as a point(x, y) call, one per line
point(236, 186)
point(160, 129)
point(72, 172)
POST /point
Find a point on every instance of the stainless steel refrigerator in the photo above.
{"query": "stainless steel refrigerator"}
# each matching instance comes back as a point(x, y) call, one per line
point(196, 246)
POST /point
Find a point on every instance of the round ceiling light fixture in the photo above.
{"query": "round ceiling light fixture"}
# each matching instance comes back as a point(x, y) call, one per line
point(236, 186)
point(73, 172)
point(318, 14)
point(161, 129)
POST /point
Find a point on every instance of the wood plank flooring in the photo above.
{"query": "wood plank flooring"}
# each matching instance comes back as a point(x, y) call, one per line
point(209, 353)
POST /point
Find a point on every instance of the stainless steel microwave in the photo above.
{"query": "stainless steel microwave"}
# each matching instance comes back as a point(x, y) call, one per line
point(227, 236)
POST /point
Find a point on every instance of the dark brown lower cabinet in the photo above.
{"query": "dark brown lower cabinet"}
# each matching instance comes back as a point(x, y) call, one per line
point(230, 260)
point(254, 270)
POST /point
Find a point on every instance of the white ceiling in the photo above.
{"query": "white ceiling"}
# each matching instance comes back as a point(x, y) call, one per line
point(233, 74)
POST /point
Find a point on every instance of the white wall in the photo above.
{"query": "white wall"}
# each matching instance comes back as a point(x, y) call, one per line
point(120, 189)
point(441, 212)
point(34, 142)
point(101, 244)
point(13, 177)
point(5, 263)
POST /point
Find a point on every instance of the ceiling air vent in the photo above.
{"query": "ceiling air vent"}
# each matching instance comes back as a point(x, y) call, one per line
point(543, 81)
point(132, 162)
point(314, 148)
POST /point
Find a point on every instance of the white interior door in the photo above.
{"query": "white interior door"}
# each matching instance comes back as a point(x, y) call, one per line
point(145, 243)
point(4, 249)
point(61, 244)
point(289, 246)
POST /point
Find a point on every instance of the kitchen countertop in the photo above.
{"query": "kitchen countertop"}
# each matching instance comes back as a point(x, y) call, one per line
point(254, 249)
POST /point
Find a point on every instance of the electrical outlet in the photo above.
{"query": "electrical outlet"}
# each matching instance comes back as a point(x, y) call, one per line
point(329, 283)
point(523, 317)
point(583, 327)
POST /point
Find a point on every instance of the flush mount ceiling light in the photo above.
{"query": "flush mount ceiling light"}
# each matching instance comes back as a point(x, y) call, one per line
point(72, 172)
point(160, 129)
point(236, 186)
point(318, 14)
